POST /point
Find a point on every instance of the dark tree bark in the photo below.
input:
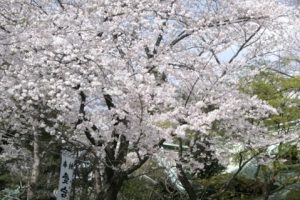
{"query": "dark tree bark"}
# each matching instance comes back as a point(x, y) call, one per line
point(111, 188)
point(31, 192)
point(185, 183)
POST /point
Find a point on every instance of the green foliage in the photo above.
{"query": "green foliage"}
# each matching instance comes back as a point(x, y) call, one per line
point(138, 188)
point(165, 124)
point(280, 175)
point(293, 195)
point(12, 193)
point(288, 151)
point(279, 91)
point(240, 187)
point(9, 185)
point(244, 155)
point(6, 179)
point(214, 183)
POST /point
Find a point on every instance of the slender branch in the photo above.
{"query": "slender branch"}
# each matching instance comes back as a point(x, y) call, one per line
point(108, 101)
point(180, 37)
point(137, 166)
point(60, 4)
point(244, 44)
point(191, 67)
point(34, 3)
point(83, 118)
point(147, 51)
point(157, 43)
point(184, 34)
point(215, 56)
point(143, 160)
point(280, 72)
point(191, 91)
point(4, 29)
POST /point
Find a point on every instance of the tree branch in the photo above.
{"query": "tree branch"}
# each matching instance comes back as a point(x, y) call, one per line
point(184, 34)
point(182, 176)
point(180, 37)
point(60, 4)
point(191, 91)
point(241, 166)
point(83, 118)
point(244, 44)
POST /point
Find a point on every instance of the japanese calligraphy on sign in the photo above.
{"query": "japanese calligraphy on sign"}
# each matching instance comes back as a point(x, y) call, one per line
point(66, 175)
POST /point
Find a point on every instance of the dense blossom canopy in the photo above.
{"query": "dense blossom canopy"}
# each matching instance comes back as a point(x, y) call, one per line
point(123, 76)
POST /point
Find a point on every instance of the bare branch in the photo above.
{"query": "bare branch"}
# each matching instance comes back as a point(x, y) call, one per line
point(180, 37)
point(60, 4)
point(244, 44)
point(191, 91)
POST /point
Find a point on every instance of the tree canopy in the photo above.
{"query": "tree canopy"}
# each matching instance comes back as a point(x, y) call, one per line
point(101, 77)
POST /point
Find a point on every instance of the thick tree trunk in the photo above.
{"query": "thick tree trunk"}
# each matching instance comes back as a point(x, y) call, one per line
point(97, 181)
point(182, 176)
point(31, 192)
point(110, 190)
point(185, 183)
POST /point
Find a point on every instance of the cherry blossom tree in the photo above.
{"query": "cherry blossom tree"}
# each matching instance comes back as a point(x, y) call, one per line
point(119, 78)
